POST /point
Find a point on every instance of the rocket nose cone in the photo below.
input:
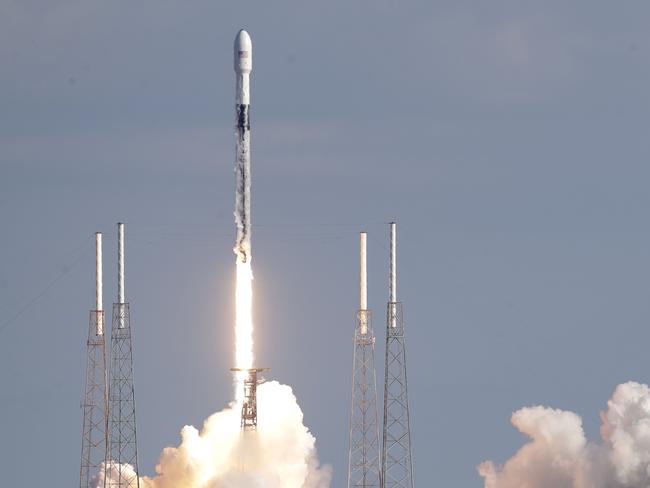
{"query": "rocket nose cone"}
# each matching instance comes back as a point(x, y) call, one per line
point(243, 52)
point(243, 40)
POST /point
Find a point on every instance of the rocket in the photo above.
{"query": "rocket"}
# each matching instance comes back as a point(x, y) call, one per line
point(243, 64)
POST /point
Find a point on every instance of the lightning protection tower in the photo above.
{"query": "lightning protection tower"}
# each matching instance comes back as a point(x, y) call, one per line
point(121, 467)
point(93, 438)
point(396, 464)
point(363, 456)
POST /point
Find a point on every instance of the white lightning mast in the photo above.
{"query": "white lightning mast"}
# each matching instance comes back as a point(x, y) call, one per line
point(121, 467)
point(93, 440)
point(396, 463)
point(363, 456)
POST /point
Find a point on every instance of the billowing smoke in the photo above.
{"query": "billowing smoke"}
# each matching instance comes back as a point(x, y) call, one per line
point(559, 455)
point(280, 454)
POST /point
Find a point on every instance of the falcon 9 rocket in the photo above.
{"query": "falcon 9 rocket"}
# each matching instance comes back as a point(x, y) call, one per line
point(243, 59)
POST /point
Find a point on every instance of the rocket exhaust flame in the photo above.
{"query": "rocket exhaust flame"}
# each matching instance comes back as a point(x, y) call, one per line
point(243, 325)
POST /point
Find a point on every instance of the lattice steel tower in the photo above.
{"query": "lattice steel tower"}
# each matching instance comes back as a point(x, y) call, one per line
point(363, 456)
point(121, 468)
point(396, 463)
point(93, 438)
point(249, 404)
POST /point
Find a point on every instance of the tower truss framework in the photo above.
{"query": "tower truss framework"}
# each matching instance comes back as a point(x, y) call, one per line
point(397, 467)
point(363, 456)
point(249, 404)
point(122, 455)
point(93, 440)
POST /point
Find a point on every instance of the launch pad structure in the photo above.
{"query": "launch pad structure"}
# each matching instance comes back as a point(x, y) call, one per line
point(109, 440)
point(367, 468)
point(249, 405)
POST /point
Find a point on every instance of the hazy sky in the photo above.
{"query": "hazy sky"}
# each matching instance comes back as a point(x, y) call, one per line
point(509, 139)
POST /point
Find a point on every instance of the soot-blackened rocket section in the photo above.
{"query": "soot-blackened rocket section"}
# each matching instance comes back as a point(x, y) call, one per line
point(243, 63)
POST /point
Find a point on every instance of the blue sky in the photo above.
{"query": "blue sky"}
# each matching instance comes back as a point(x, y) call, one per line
point(509, 140)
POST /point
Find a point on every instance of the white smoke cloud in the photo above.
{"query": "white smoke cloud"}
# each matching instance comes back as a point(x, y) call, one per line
point(281, 454)
point(559, 455)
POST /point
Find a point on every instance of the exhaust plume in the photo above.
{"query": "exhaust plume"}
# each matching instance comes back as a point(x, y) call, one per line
point(560, 456)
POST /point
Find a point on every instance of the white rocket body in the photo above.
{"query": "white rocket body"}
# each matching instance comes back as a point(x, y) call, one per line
point(243, 64)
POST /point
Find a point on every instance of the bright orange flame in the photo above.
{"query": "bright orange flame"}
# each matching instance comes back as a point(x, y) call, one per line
point(243, 325)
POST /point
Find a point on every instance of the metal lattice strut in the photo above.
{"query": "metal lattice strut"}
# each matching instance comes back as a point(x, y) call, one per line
point(363, 462)
point(249, 405)
point(122, 456)
point(397, 469)
point(93, 442)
